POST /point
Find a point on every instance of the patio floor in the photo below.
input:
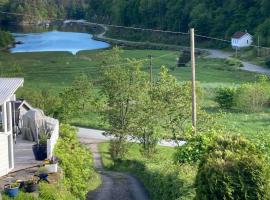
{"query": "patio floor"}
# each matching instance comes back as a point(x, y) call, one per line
point(23, 155)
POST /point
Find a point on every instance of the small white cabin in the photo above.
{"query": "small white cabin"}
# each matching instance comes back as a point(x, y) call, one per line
point(8, 87)
point(241, 40)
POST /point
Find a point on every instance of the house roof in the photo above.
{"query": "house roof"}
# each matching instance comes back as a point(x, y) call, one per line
point(8, 87)
point(239, 34)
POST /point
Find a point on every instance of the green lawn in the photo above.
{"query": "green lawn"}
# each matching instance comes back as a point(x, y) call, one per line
point(56, 70)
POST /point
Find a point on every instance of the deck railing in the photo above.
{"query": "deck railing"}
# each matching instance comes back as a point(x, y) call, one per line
point(54, 125)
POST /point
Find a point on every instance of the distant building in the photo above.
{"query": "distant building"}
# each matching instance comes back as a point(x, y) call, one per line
point(241, 40)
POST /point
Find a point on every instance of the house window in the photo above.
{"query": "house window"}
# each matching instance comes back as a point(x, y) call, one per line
point(247, 41)
point(1, 119)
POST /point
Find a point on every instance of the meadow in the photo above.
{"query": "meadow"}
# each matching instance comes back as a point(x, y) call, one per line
point(56, 70)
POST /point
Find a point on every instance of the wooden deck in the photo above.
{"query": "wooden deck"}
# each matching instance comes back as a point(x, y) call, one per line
point(23, 155)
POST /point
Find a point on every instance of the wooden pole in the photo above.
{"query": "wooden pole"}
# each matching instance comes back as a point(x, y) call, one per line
point(258, 47)
point(151, 69)
point(193, 65)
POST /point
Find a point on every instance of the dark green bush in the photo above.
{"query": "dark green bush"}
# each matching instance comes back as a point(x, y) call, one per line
point(267, 62)
point(233, 170)
point(233, 64)
point(194, 149)
point(225, 97)
point(253, 97)
point(5, 39)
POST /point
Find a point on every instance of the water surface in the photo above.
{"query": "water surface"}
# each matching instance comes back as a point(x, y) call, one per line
point(56, 41)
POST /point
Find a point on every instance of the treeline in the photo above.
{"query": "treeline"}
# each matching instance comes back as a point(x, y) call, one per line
point(209, 17)
point(39, 11)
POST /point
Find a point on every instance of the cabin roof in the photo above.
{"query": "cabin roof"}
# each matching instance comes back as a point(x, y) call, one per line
point(239, 34)
point(8, 87)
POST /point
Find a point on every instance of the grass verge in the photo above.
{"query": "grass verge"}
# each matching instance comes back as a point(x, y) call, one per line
point(163, 179)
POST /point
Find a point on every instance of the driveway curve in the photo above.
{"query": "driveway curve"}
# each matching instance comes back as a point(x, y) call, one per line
point(213, 53)
point(246, 65)
point(115, 185)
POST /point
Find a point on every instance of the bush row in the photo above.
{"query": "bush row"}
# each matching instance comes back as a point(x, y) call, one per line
point(230, 167)
point(76, 162)
point(248, 97)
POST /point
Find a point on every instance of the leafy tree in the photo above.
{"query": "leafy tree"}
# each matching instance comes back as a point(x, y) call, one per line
point(122, 87)
point(76, 97)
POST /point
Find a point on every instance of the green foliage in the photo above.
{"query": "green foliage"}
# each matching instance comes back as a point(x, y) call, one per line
point(233, 64)
point(6, 39)
point(194, 149)
point(76, 162)
point(163, 179)
point(233, 169)
point(122, 86)
point(54, 192)
point(76, 98)
point(253, 97)
point(225, 97)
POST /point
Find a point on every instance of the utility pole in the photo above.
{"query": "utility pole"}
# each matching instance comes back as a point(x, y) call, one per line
point(150, 69)
point(193, 65)
point(258, 47)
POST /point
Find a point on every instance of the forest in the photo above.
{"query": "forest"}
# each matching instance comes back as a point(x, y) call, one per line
point(210, 17)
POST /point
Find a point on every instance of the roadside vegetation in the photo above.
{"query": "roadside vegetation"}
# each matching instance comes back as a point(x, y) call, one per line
point(78, 176)
point(214, 163)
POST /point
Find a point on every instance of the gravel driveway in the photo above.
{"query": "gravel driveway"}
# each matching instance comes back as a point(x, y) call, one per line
point(246, 65)
point(115, 185)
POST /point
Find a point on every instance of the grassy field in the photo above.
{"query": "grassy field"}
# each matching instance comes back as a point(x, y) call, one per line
point(56, 70)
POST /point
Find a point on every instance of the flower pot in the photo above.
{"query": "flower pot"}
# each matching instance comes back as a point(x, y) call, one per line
point(11, 192)
point(21, 184)
point(52, 168)
point(40, 151)
point(31, 187)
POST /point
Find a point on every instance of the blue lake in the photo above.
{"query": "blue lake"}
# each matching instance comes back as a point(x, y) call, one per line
point(72, 42)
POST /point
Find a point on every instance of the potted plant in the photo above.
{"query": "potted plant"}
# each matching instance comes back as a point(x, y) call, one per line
point(51, 165)
point(12, 190)
point(43, 174)
point(40, 148)
point(31, 185)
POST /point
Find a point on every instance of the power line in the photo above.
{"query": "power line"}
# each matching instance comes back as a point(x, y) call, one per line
point(133, 28)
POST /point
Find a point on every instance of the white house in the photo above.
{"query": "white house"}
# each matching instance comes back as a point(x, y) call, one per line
point(16, 156)
point(241, 40)
point(8, 87)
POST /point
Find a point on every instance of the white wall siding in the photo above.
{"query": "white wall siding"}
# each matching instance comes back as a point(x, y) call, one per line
point(4, 158)
point(244, 41)
point(54, 124)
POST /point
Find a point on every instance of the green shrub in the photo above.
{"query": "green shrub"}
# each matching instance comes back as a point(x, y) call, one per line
point(252, 97)
point(233, 64)
point(267, 62)
point(233, 170)
point(5, 38)
point(194, 149)
point(225, 97)
point(76, 162)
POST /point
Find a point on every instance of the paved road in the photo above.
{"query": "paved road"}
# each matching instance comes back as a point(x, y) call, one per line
point(98, 136)
point(115, 185)
point(246, 65)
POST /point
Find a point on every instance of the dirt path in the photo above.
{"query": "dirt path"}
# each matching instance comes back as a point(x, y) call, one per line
point(115, 185)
